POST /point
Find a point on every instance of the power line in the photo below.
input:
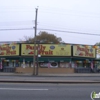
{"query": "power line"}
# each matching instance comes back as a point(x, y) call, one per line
point(51, 30)
point(16, 29)
point(54, 11)
point(44, 8)
point(71, 14)
point(55, 26)
point(70, 32)
point(79, 38)
point(19, 21)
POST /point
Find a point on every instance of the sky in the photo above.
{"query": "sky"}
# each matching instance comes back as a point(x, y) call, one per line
point(82, 16)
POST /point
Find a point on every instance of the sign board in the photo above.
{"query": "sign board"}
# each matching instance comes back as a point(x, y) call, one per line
point(9, 50)
point(82, 51)
point(46, 50)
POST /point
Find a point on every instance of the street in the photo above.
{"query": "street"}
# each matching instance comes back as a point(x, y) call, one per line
point(16, 91)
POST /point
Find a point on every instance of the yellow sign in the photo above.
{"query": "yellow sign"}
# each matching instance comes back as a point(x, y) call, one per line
point(9, 50)
point(46, 50)
point(83, 51)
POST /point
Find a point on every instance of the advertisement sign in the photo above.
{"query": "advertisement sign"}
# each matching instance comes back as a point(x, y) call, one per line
point(83, 51)
point(9, 50)
point(46, 50)
point(53, 65)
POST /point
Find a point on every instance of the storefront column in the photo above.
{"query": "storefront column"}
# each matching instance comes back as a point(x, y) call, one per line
point(23, 63)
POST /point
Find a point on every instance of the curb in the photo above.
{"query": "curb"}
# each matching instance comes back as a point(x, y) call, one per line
point(52, 75)
point(49, 75)
point(56, 82)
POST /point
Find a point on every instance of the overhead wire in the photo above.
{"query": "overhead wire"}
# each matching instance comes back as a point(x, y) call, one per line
point(16, 29)
point(54, 11)
point(30, 22)
point(56, 26)
point(45, 8)
point(70, 32)
point(78, 37)
point(75, 32)
point(52, 30)
point(81, 38)
point(72, 14)
point(17, 23)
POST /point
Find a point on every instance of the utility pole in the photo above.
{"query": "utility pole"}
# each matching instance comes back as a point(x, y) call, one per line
point(37, 58)
point(35, 39)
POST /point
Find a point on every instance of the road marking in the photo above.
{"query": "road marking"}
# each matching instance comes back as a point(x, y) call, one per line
point(23, 89)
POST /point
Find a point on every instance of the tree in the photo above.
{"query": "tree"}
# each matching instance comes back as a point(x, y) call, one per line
point(44, 37)
point(98, 44)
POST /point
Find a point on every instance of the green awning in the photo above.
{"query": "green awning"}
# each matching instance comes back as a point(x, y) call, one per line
point(81, 59)
point(10, 58)
point(46, 59)
point(55, 59)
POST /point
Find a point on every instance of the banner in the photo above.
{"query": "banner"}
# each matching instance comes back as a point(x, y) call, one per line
point(82, 51)
point(46, 50)
point(9, 50)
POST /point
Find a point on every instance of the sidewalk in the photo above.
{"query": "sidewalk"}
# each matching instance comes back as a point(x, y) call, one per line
point(75, 78)
point(41, 74)
point(72, 74)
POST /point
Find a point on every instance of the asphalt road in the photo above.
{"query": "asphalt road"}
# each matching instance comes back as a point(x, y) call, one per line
point(93, 78)
point(47, 91)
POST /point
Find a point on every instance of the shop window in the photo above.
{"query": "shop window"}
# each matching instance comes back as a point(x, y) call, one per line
point(29, 64)
point(17, 64)
point(44, 65)
point(5, 64)
point(79, 65)
point(87, 65)
point(64, 64)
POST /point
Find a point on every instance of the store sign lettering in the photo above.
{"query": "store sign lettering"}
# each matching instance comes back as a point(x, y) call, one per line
point(6, 50)
point(83, 51)
point(41, 48)
point(46, 50)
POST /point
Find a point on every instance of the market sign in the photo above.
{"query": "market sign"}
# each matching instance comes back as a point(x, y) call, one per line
point(83, 51)
point(46, 50)
point(9, 50)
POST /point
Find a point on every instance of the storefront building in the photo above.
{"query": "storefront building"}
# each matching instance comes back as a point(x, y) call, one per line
point(52, 58)
point(83, 55)
point(84, 58)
